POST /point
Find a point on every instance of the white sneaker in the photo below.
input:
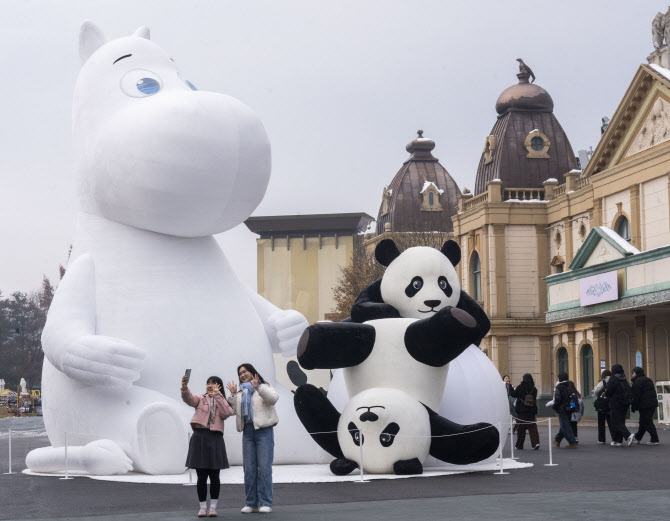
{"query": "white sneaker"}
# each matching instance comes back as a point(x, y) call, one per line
point(249, 510)
point(601, 443)
point(265, 510)
point(630, 439)
point(616, 444)
point(651, 443)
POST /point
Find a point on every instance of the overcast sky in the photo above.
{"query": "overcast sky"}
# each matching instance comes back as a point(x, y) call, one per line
point(341, 86)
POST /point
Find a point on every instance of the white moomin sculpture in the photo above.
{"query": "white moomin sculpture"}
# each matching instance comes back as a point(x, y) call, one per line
point(148, 292)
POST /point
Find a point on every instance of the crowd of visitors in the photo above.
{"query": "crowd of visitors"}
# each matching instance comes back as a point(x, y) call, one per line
point(614, 396)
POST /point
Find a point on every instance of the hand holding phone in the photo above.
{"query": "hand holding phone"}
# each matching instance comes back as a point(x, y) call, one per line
point(186, 378)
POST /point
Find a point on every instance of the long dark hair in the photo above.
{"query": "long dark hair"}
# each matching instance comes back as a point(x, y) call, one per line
point(252, 370)
point(219, 382)
point(572, 384)
point(527, 381)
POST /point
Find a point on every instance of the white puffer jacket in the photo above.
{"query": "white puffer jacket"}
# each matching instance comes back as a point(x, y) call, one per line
point(263, 402)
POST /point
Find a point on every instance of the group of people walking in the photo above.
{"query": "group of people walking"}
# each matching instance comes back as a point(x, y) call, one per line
point(613, 397)
point(252, 404)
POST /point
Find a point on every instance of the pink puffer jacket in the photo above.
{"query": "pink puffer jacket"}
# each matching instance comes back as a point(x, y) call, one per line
point(201, 404)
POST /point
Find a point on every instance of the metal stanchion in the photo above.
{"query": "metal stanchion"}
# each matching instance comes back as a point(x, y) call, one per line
point(10, 454)
point(511, 430)
point(501, 456)
point(551, 446)
point(67, 475)
point(360, 446)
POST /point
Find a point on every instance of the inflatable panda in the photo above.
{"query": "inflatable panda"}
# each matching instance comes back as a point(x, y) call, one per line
point(411, 355)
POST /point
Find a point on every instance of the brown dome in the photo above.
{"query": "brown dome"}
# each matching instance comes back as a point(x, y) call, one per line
point(524, 96)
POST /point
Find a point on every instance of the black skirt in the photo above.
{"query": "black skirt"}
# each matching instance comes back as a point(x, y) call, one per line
point(206, 450)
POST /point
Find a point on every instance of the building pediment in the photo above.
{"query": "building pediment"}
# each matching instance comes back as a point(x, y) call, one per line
point(600, 246)
point(641, 121)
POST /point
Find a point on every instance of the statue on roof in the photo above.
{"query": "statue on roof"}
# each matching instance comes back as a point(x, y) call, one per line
point(657, 30)
point(525, 70)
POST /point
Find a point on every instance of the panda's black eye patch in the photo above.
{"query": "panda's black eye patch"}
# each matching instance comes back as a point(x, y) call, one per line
point(414, 287)
point(356, 435)
point(387, 437)
point(445, 286)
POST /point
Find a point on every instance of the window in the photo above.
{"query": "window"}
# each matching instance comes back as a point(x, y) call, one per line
point(562, 360)
point(623, 228)
point(537, 143)
point(431, 198)
point(476, 273)
point(587, 369)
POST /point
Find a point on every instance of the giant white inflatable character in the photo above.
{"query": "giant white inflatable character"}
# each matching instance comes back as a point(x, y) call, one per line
point(148, 292)
point(409, 332)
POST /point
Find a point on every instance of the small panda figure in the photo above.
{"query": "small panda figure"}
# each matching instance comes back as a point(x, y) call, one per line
point(392, 426)
point(410, 354)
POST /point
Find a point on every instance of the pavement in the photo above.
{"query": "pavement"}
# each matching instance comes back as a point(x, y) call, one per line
point(594, 482)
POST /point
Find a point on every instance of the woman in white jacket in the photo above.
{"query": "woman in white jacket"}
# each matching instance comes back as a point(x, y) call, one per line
point(256, 417)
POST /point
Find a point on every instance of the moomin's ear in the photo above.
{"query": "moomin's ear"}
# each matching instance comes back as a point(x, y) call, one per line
point(386, 251)
point(452, 251)
point(143, 32)
point(91, 38)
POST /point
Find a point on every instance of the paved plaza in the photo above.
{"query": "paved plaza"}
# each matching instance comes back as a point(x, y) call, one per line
point(595, 482)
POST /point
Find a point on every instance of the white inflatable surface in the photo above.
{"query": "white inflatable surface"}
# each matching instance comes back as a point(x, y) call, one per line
point(301, 474)
point(148, 292)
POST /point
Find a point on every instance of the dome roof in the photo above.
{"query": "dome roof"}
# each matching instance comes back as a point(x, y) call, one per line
point(524, 96)
point(407, 204)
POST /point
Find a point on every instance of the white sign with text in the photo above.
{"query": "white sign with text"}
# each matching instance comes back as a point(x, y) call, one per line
point(598, 288)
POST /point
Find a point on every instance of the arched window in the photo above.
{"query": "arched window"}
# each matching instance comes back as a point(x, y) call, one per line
point(476, 275)
point(562, 360)
point(623, 228)
point(587, 369)
point(431, 198)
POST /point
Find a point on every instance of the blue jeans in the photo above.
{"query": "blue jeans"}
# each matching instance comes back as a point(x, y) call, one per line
point(566, 428)
point(258, 446)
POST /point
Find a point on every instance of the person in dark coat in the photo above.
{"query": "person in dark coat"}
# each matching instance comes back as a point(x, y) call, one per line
point(645, 401)
point(616, 390)
point(526, 412)
point(602, 407)
point(510, 399)
point(561, 406)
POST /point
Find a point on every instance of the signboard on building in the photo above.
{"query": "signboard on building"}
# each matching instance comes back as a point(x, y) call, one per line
point(598, 288)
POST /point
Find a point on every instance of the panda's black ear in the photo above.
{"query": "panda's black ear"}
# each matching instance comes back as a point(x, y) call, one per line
point(386, 251)
point(452, 251)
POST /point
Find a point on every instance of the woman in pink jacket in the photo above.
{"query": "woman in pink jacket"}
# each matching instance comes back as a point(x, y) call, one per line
point(206, 450)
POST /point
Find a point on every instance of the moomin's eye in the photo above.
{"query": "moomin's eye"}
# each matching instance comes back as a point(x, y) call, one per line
point(141, 83)
point(190, 85)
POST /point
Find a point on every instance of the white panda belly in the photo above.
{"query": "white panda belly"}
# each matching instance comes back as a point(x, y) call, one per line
point(391, 366)
point(391, 425)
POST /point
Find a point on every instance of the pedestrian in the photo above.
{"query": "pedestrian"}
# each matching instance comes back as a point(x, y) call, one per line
point(510, 399)
point(620, 397)
point(256, 417)
point(564, 403)
point(526, 411)
point(206, 449)
point(645, 401)
point(601, 405)
point(577, 415)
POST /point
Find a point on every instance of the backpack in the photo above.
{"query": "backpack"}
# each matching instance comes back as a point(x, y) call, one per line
point(572, 401)
point(626, 393)
point(528, 400)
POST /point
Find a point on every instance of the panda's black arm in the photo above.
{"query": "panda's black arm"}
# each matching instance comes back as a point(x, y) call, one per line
point(468, 304)
point(319, 417)
point(332, 346)
point(437, 340)
point(370, 306)
point(461, 444)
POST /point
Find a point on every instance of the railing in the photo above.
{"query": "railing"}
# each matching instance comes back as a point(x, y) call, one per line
point(583, 181)
point(523, 194)
point(559, 190)
point(475, 201)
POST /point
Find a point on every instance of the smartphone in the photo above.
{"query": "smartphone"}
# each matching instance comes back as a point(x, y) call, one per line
point(187, 374)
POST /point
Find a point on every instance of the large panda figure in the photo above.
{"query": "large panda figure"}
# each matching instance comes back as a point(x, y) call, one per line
point(408, 354)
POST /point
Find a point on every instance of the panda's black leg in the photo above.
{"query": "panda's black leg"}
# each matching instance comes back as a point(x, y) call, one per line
point(437, 340)
point(342, 466)
point(318, 415)
point(408, 467)
point(461, 444)
point(332, 346)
